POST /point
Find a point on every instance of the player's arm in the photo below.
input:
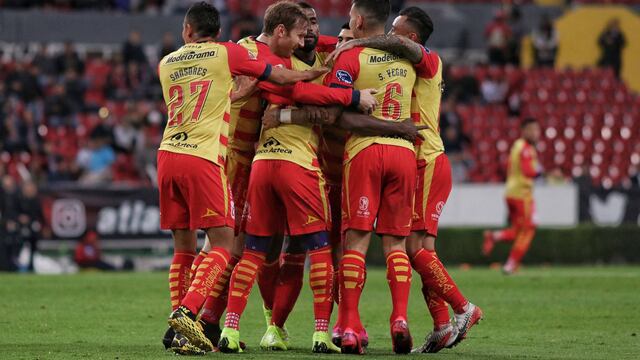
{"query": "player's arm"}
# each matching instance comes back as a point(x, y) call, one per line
point(244, 86)
point(394, 44)
point(527, 163)
point(308, 114)
point(369, 126)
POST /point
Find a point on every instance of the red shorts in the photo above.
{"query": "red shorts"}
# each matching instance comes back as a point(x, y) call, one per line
point(282, 191)
point(238, 173)
point(432, 191)
point(193, 193)
point(335, 200)
point(379, 183)
point(521, 212)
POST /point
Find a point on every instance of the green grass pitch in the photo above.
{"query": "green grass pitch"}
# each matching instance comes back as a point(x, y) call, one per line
point(542, 313)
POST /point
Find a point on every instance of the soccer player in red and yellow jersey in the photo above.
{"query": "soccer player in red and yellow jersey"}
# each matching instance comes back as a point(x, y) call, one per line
point(379, 177)
point(523, 169)
point(196, 81)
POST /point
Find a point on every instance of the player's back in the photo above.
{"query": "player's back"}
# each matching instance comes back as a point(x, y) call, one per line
point(519, 184)
point(425, 107)
point(392, 77)
point(196, 82)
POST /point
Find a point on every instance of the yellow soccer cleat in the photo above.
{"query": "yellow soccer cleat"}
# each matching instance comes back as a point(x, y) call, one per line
point(322, 344)
point(181, 346)
point(230, 341)
point(273, 339)
point(180, 321)
point(267, 315)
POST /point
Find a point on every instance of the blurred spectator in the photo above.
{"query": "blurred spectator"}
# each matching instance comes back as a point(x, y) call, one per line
point(44, 62)
point(9, 241)
point(168, 45)
point(498, 35)
point(69, 60)
point(127, 134)
point(60, 170)
point(30, 218)
point(455, 145)
point(245, 22)
point(494, 88)
point(74, 89)
point(460, 84)
point(545, 43)
point(22, 84)
point(88, 254)
point(132, 50)
point(449, 116)
point(612, 41)
point(95, 160)
point(58, 108)
point(518, 31)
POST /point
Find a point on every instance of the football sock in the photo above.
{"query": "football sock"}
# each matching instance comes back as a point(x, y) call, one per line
point(438, 308)
point(435, 277)
point(216, 302)
point(288, 287)
point(242, 278)
point(206, 276)
point(521, 244)
point(353, 274)
point(320, 280)
point(196, 262)
point(506, 235)
point(399, 279)
point(179, 277)
point(267, 280)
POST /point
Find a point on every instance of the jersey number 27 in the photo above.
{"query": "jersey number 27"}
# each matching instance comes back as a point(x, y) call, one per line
point(176, 94)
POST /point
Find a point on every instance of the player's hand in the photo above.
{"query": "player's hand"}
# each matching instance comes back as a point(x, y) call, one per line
point(344, 47)
point(368, 102)
point(245, 86)
point(408, 130)
point(315, 73)
point(271, 119)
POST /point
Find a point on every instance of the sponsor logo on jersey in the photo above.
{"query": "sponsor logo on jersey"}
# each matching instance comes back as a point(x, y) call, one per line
point(181, 136)
point(382, 58)
point(179, 140)
point(192, 55)
point(273, 146)
point(344, 76)
point(363, 207)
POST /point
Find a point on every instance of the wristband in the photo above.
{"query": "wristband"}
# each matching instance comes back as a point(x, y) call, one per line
point(285, 116)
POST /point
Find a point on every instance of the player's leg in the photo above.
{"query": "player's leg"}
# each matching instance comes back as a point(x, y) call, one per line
point(524, 236)
point(394, 221)
point(268, 276)
point(211, 211)
point(503, 235)
point(262, 222)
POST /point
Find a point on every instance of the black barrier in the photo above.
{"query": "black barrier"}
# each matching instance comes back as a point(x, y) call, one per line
point(609, 207)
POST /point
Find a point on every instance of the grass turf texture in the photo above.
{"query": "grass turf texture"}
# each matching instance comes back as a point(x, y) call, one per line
point(542, 313)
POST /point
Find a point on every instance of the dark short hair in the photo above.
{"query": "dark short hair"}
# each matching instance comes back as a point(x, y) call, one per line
point(420, 21)
point(527, 121)
point(345, 26)
point(286, 13)
point(204, 19)
point(305, 5)
point(376, 11)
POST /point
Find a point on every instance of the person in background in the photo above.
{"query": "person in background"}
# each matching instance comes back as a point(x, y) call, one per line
point(344, 35)
point(494, 87)
point(30, 218)
point(9, 243)
point(132, 50)
point(245, 22)
point(88, 255)
point(498, 34)
point(96, 159)
point(545, 43)
point(69, 59)
point(518, 31)
point(168, 45)
point(612, 41)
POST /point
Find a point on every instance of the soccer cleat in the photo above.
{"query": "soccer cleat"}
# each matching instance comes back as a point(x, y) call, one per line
point(350, 343)
point(211, 331)
point(465, 321)
point(401, 337)
point(438, 340)
point(336, 336)
point(364, 338)
point(510, 267)
point(322, 344)
point(267, 315)
point(181, 346)
point(182, 323)
point(488, 244)
point(167, 338)
point(230, 341)
point(273, 339)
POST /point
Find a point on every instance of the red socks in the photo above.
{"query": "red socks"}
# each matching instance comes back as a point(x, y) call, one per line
point(217, 300)
point(399, 279)
point(267, 281)
point(288, 286)
point(242, 278)
point(206, 276)
point(321, 282)
point(197, 261)
point(435, 276)
point(180, 277)
point(506, 235)
point(353, 274)
point(521, 244)
point(438, 308)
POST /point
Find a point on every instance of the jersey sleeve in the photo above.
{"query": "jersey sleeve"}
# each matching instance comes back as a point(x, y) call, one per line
point(241, 62)
point(527, 162)
point(345, 71)
point(427, 68)
point(326, 44)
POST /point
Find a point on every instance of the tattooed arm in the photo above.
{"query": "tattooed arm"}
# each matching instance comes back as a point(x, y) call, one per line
point(394, 44)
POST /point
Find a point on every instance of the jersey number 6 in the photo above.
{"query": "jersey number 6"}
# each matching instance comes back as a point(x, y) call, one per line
point(391, 108)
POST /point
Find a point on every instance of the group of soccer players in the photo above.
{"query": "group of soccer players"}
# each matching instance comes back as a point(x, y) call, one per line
point(276, 160)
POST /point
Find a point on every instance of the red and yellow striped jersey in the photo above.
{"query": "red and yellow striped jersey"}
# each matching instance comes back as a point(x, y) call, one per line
point(425, 106)
point(196, 82)
point(246, 114)
point(522, 169)
point(393, 77)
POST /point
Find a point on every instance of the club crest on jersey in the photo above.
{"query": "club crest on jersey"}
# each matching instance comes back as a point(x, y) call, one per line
point(344, 76)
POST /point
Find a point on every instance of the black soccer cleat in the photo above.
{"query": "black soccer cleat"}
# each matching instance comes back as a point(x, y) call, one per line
point(167, 339)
